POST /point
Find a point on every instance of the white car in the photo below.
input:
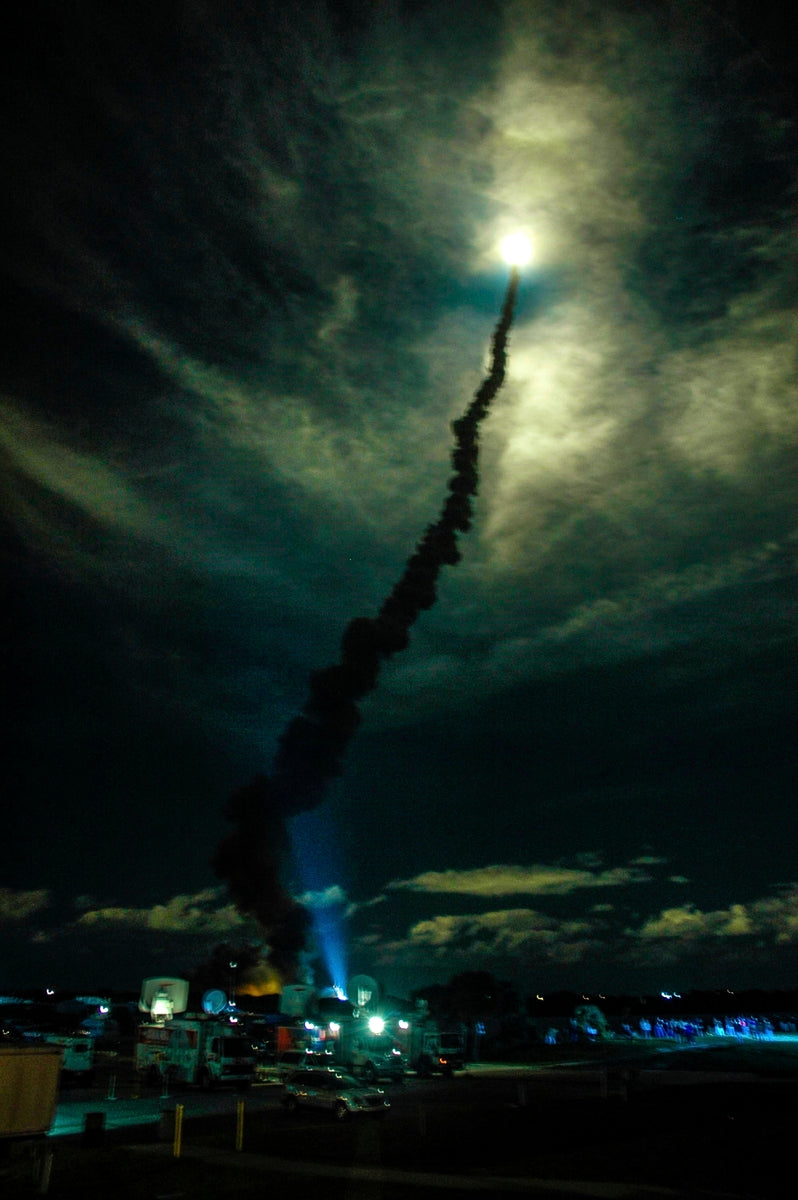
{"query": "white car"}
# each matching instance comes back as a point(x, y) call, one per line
point(342, 1095)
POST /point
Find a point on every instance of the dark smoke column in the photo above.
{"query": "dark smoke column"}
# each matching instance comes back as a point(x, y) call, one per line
point(310, 751)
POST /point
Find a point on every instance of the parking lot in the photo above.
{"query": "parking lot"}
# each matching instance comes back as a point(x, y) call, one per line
point(715, 1118)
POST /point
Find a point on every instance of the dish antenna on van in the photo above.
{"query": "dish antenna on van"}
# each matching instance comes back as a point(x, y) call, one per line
point(363, 991)
point(162, 998)
point(214, 1002)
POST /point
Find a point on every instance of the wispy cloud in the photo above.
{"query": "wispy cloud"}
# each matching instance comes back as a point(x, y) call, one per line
point(95, 486)
point(758, 930)
point(773, 918)
point(200, 913)
point(501, 933)
point(535, 880)
point(17, 905)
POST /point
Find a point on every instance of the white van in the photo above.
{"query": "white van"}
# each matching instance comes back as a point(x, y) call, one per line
point(78, 1053)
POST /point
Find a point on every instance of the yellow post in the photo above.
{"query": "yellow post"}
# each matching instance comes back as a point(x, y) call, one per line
point(240, 1125)
point(178, 1142)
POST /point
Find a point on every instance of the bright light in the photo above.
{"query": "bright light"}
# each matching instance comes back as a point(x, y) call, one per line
point(516, 249)
point(335, 1027)
point(404, 1024)
point(162, 1007)
point(376, 1024)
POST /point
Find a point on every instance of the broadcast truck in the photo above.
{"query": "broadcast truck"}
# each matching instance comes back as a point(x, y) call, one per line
point(362, 1046)
point(151, 1043)
point(200, 1050)
point(428, 1051)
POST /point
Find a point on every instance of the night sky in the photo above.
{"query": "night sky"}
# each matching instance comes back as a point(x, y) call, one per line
point(251, 276)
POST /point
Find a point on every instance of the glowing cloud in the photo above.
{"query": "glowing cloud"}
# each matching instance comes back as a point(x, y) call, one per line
point(323, 899)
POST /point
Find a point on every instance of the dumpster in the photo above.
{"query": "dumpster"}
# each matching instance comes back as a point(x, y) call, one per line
point(29, 1078)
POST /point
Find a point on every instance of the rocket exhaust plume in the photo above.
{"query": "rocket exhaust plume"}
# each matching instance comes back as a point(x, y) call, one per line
point(311, 749)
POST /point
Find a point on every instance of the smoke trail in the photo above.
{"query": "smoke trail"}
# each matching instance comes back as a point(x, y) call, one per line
point(311, 749)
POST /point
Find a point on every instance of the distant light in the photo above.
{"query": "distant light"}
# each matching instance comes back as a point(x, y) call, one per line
point(516, 249)
point(538, 997)
point(404, 1024)
point(50, 991)
point(376, 1024)
point(335, 1027)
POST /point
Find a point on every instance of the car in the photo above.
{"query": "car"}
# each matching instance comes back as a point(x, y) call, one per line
point(292, 1060)
point(342, 1095)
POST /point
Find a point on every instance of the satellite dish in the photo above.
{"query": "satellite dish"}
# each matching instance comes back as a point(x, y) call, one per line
point(175, 989)
point(364, 992)
point(214, 1002)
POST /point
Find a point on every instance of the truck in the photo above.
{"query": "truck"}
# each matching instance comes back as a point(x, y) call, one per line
point(368, 1053)
point(428, 1051)
point(78, 1054)
point(201, 1050)
point(452, 1050)
point(151, 1043)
